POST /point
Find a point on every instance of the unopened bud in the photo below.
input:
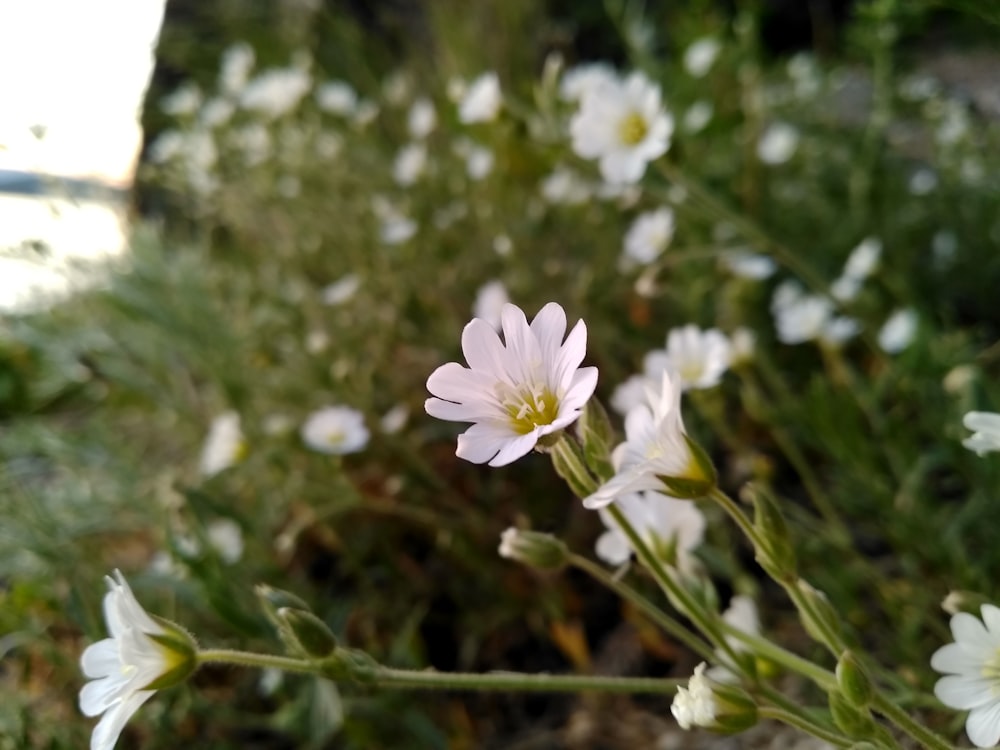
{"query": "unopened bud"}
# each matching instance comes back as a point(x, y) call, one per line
point(597, 437)
point(736, 711)
point(569, 463)
point(778, 555)
point(853, 680)
point(819, 617)
point(856, 723)
point(964, 601)
point(306, 633)
point(533, 548)
point(272, 599)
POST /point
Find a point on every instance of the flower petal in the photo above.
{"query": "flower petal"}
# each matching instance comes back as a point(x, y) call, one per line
point(110, 726)
point(482, 347)
point(983, 725)
point(514, 449)
point(964, 692)
point(101, 658)
point(482, 442)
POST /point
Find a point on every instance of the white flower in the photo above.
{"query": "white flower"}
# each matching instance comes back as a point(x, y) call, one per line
point(422, 118)
point(701, 55)
point(341, 290)
point(697, 116)
point(741, 615)
point(237, 62)
point(336, 430)
point(503, 245)
point(395, 419)
point(698, 357)
point(580, 79)
point(224, 446)
point(838, 330)
point(694, 706)
point(971, 666)
point(514, 391)
point(655, 446)
point(478, 162)
point(566, 187)
point(898, 331)
point(664, 523)
point(411, 161)
point(394, 226)
point(799, 317)
point(481, 100)
point(845, 288)
point(747, 265)
point(630, 394)
point(864, 259)
point(778, 143)
point(624, 125)
point(923, 181)
point(184, 101)
point(217, 111)
point(490, 300)
point(124, 668)
point(337, 98)
point(276, 92)
point(742, 343)
point(226, 538)
point(986, 431)
point(649, 236)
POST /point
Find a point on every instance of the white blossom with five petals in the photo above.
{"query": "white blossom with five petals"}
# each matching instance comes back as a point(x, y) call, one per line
point(514, 391)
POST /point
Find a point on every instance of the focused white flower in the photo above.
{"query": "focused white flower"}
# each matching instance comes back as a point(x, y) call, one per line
point(481, 100)
point(971, 666)
point(141, 656)
point(648, 236)
point(986, 432)
point(701, 55)
point(336, 430)
point(699, 358)
point(422, 118)
point(276, 92)
point(898, 331)
point(778, 143)
point(864, 259)
point(656, 450)
point(224, 446)
point(580, 79)
point(694, 706)
point(337, 98)
point(341, 290)
point(517, 390)
point(622, 124)
point(671, 528)
point(411, 161)
point(490, 299)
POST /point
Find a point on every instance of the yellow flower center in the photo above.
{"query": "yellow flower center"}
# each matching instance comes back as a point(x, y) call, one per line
point(633, 129)
point(528, 408)
point(991, 670)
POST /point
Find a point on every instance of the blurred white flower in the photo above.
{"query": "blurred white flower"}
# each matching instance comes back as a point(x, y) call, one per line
point(580, 79)
point(168, 146)
point(395, 419)
point(622, 124)
point(698, 358)
point(502, 245)
point(747, 265)
point(971, 680)
point(490, 300)
point(923, 181)
point(986, 432)
point(839, 330)
point(944, 247)
point(124, 668)
point(254, 141)
point(799, 317)
point(276, 92)
point(411, 161)
point(864, 259)
point(697, 116)
point(514, 391)
point(655, 446)
point(224, 446)
point(671, 528)
point(182, 102)
point(481, 100)
point(741, 615)
point(564, 186)
point(778, 143)
point(394, 226)
point(694, 705)
point(226, 538)
point(337, 98)
point(898, 331)
point(742, 343)
point(845, 288)
point(396, 87)
point(630, 394)
point(478, 162)
point(237, 62)
point(215, 112)
point(341, 290)
point(422, 118)
point(701, 55)
point(365, 113)
point(336, 430)
point(648, 236)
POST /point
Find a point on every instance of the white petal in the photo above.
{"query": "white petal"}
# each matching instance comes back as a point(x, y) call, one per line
point(469, 412)
point(565, 360)
point(523, 353)
point(581, 389)
point(612, 546)
point(549, 327)
point(953, 659)
point(970, 632)
point(964, 692)
point(983, 725)
point(481, 347)
point(110, 726)
point(515, 448)
point(99, 695)
point(452, 382)
point(482, 442)
point(991, 618)
point(101, 658)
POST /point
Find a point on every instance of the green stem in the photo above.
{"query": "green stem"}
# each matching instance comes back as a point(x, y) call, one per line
point(669, 624)
point(762, 647)
point(388, 677)
point(800, 721)
point(259, 661)
point(916, 730)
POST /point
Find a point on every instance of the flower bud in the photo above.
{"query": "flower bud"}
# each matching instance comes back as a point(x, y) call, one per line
point(597, 437)
point(713, 705)
point(853, 680)
point(306, 633)
point(735, 711)
point(964, 601)
point(778, 555)
point(856, 723)
point(569, 463)
point(819, 617)
point(534, 549)
point(271, 600)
